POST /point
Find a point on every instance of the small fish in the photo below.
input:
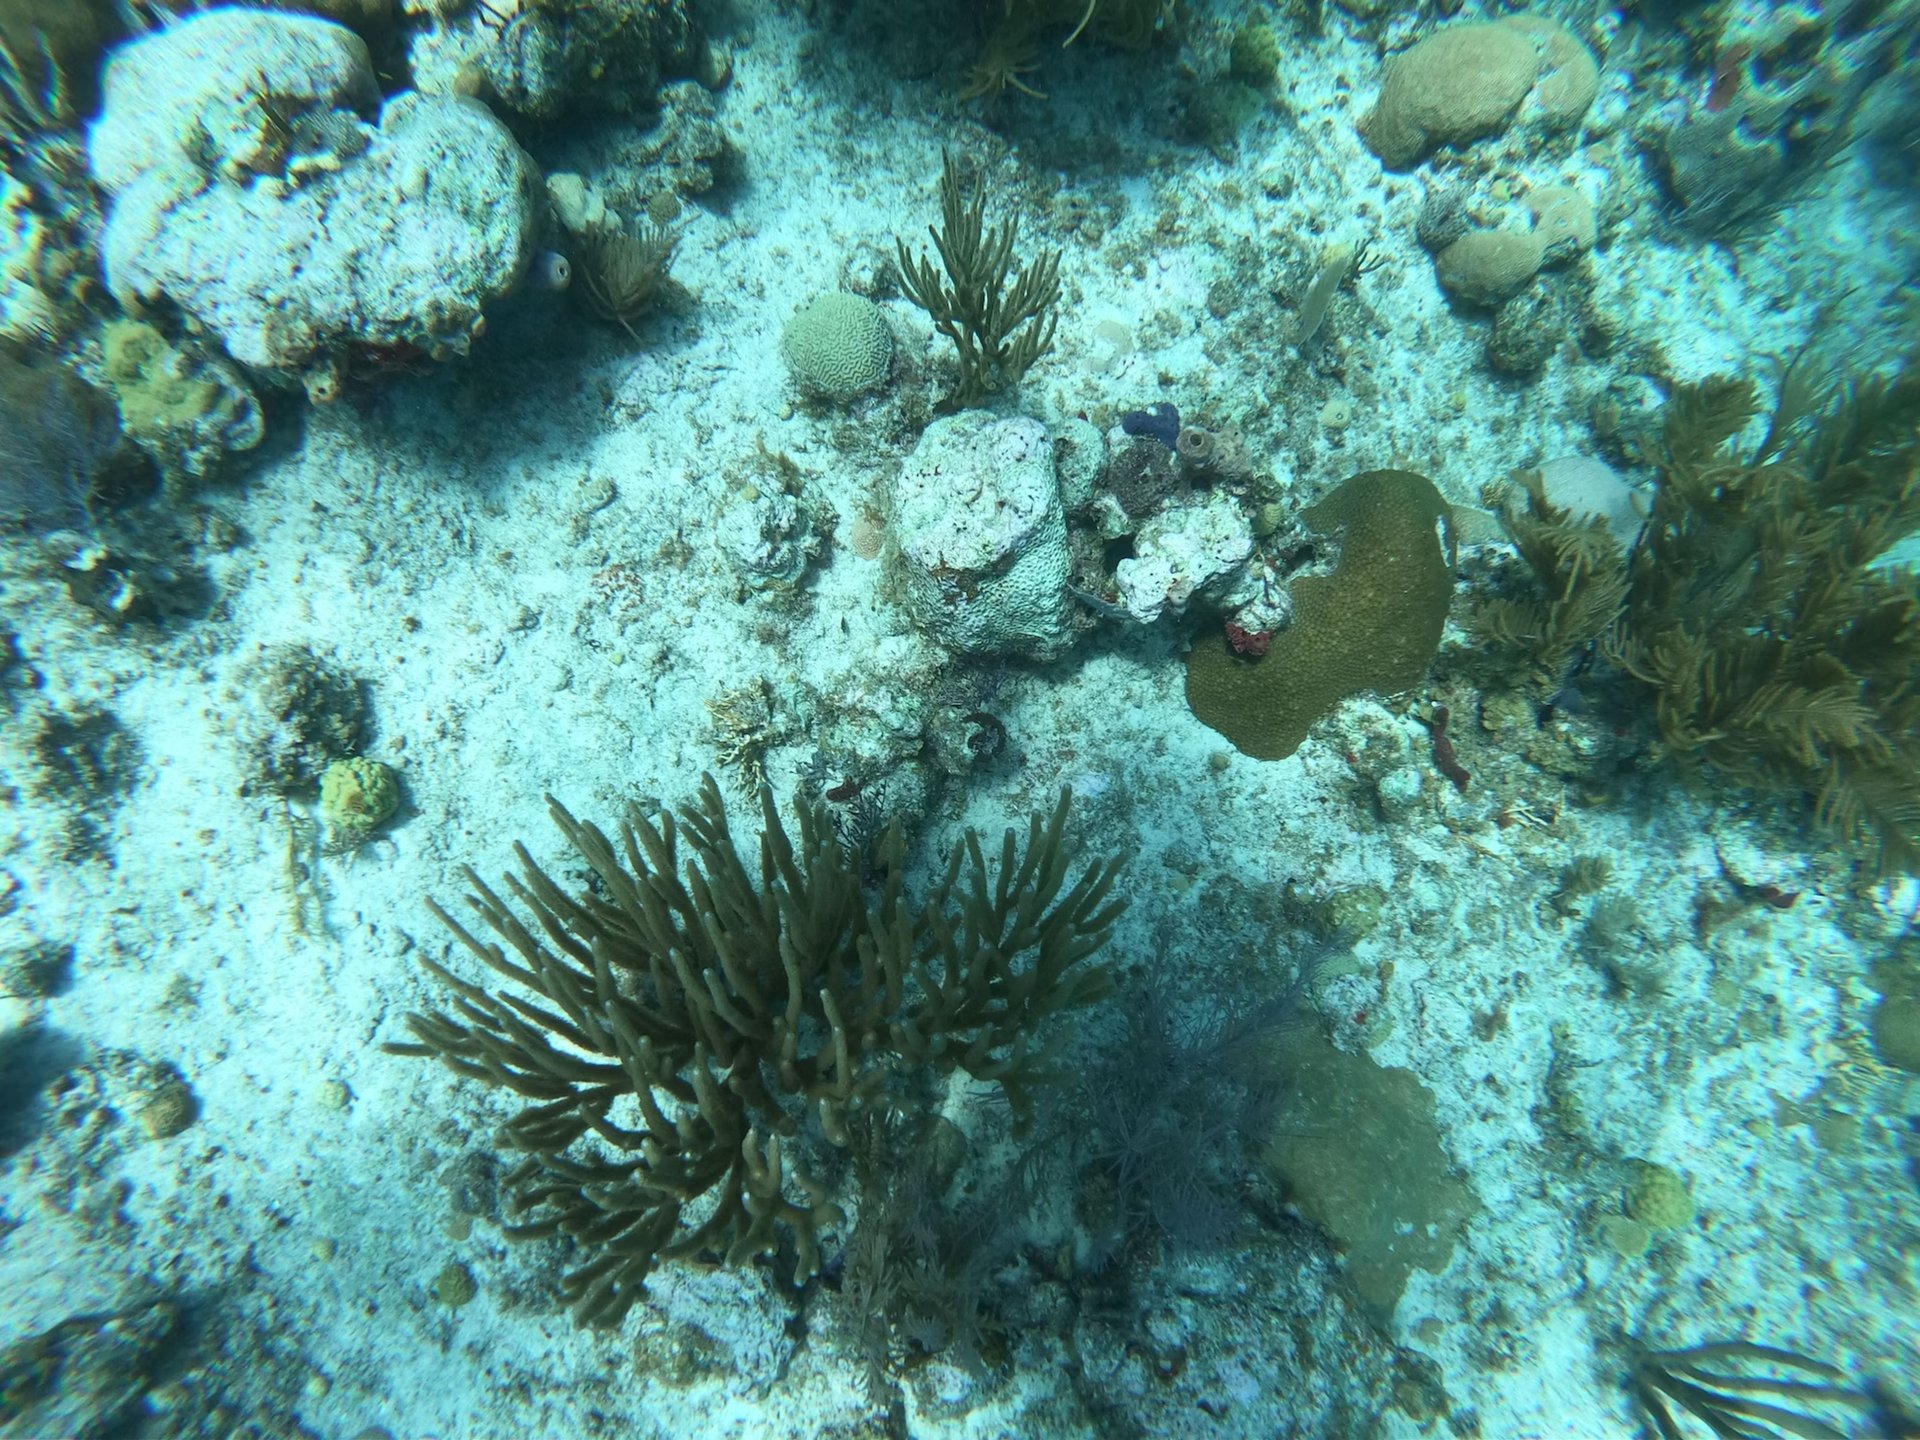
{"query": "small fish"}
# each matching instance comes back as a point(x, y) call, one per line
point(550, 271)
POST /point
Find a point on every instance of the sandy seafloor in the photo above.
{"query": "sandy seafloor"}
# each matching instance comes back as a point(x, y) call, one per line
point(445, 538)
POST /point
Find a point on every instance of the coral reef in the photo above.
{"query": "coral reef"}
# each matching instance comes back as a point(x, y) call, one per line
point(838, 346)
point(746, 1017)
point(983, 537)
point(1779, 646)
point(1788, 86)
point(1762, 608)
point(1467, 80)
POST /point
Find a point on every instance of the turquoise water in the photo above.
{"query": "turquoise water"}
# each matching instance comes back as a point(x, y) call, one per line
point(1401, 516)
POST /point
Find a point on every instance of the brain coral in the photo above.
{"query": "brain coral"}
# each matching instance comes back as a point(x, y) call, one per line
point(838, 346)
point(1372, 624)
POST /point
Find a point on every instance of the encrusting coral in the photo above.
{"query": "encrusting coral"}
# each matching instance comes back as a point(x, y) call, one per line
point(1372, 623)
point(693, 1027)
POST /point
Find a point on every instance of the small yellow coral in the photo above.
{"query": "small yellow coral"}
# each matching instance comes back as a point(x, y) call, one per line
point(357, 797)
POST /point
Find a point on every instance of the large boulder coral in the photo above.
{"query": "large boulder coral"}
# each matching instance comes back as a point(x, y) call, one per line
point(1466, 81)
point(544, 59)
point(1490, 266)
point(983, 536)
point(1788, 87)
point(250, 190)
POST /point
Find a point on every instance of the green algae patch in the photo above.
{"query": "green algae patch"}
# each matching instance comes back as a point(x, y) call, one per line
point(158, 391)
point(1373, 623)
point(1357, 1150)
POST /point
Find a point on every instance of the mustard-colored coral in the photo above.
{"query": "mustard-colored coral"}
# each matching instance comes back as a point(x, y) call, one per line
point(1372, 624)
point(357, 797)
point(159, 392)
point(1658, 1198)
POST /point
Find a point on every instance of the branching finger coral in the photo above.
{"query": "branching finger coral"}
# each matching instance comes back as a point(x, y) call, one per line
point(685, 1030)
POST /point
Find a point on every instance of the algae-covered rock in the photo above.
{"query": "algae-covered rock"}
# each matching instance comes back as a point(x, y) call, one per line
point(769, 538)
point(1489, 266)
point(1358, 1150)
point(1373, 623)
point(357, 797)
point(250, 188)
point(187, 410)
point(90, 1373)
point(297, 714)
point(1253, 57)
point(1896, 1031)
point(547, 59)
point(983, 536)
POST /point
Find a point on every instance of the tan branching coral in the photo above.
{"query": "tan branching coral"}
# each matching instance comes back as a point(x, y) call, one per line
point(686, 1030)
point(1581, 569)
point(1766, 608)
